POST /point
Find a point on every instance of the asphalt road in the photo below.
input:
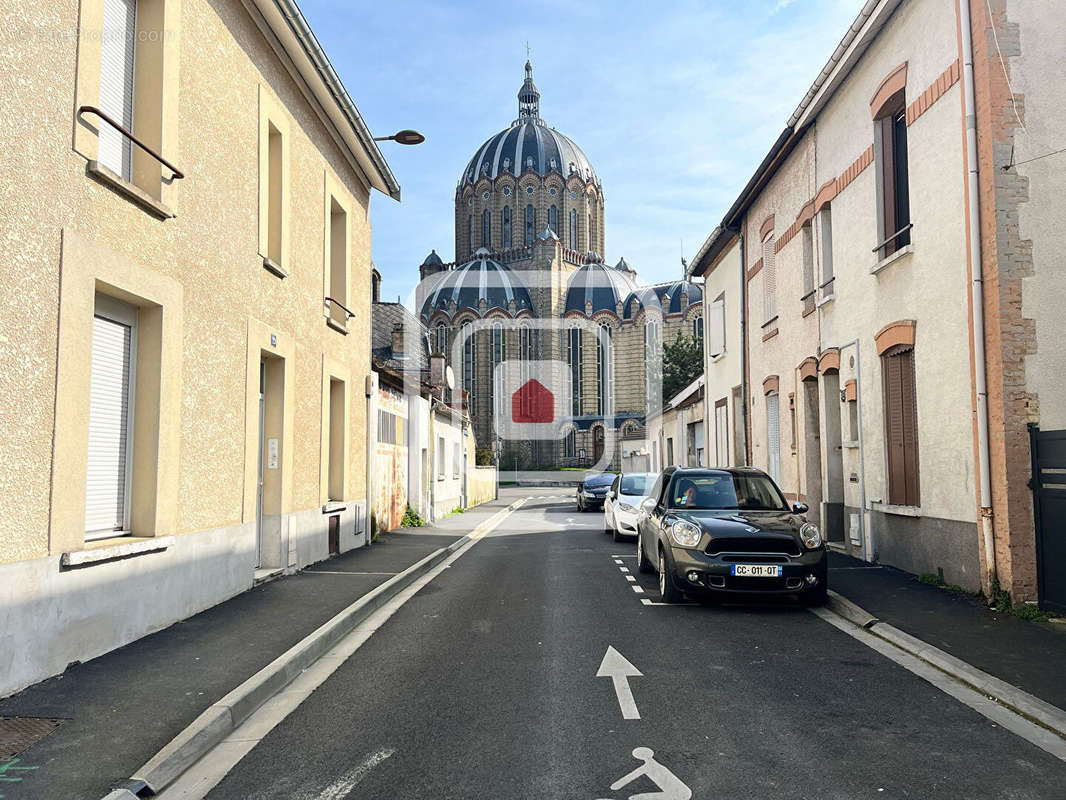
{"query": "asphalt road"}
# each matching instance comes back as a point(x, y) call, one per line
point(484, 686)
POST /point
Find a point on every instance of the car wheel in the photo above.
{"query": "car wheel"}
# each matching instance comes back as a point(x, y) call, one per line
point(642, 560)
point(816, 596)
point(668, 593)
point(616, 535)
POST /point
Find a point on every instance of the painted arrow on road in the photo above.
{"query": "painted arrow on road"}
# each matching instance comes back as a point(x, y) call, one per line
point(619, 670)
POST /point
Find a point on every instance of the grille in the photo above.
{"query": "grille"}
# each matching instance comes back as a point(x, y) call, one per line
point(753, 544)
point(17, 734)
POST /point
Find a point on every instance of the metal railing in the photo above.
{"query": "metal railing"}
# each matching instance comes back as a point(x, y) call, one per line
point(177, 174)
point(342, 307)
point(894, 236)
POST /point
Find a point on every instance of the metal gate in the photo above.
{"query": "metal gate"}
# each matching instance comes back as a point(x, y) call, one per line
point(1049, 511)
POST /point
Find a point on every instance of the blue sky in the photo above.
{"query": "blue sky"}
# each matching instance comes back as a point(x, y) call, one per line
point(674, 104)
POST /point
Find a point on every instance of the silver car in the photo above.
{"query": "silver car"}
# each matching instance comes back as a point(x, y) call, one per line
point(622, 504)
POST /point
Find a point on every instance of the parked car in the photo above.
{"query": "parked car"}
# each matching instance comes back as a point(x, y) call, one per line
point(622, 505)
point(592, 491)
point(722, 532)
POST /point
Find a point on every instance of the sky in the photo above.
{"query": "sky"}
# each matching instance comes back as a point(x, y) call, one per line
point(675, 104)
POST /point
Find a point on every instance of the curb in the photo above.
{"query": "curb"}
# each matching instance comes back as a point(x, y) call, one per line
point(223, 717)
point(1043, 713)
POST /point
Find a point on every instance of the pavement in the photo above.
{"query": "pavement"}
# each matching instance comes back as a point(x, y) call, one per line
point(120, 709)
point(485, 685)
point(1028, 655)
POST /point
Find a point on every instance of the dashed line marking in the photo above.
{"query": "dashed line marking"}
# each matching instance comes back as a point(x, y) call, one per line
point(631, 579)
point(637, 589)
point(624, 569)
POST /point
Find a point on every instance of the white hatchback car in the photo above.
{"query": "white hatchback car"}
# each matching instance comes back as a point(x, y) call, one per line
point(622, 504)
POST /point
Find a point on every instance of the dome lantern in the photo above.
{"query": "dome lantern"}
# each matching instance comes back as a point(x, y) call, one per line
point(528, 98)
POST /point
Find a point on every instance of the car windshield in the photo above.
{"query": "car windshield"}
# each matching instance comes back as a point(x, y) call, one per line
point(634, 484)
point(599, 480)
point(726, 491)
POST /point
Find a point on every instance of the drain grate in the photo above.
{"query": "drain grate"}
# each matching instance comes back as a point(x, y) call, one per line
point(17, 734)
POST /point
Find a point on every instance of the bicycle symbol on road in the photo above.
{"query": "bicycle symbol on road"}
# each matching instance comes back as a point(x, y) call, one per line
point(670, 786)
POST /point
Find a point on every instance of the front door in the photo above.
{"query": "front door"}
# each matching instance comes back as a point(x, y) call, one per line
point(259, 473)
point(597, 445)
point(1049, 506)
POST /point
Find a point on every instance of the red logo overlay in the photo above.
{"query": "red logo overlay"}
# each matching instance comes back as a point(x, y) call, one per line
point(533, 402)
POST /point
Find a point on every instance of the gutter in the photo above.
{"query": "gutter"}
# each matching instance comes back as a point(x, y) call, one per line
point(297, 24)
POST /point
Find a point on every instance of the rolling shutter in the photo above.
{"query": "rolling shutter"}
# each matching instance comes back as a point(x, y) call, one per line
point(117, 47)
point(773, 435)
point(109, 428)
point(769, 281)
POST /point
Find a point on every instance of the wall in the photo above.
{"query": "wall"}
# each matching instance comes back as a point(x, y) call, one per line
point(723, 372)
point(391, 463)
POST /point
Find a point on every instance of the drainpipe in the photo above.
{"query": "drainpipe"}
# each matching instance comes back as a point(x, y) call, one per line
point(744, 347)
point(977, 332)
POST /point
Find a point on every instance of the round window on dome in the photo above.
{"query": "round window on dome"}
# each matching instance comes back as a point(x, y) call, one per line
point(551, 191)
point(573, 195)
point(485, 196)
point(506, 191)
point(529, 190)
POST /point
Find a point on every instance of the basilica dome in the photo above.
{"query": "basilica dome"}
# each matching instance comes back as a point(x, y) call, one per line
point(596, 283)
point(479, 279)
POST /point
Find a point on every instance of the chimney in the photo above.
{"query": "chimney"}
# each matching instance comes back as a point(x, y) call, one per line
point(397, 340)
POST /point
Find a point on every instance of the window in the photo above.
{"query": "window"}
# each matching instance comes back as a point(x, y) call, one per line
point(553, 219)
point(387, 428)
point(117, 49)
point(669, 452)
point(603, 369)
point(570, 446)
point(592, 239)
point(109, 471)
point(825, 249)
point(769, 280)
point(721, 434)
point(890, 149)
point(697, 330)
point(792, 420)
point(901, 425)
point(486, 230)
point(773, 436)
point(442, 339)
point(574, 358)
point(440, 458)
point(275, 194)
point(809, 289)
point(338, 262)
point(531, 224)
point(716, 320)
point(470, 232)
point(507, 227)
point(573, 229)
point(468, 361)
point(335, 467)
point(499, 355)
point(457, 460)
point(853, 420)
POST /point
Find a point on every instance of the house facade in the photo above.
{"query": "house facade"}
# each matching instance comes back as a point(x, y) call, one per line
point(187, 319)
point(872, 295)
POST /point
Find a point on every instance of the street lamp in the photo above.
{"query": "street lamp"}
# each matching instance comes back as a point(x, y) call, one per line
point(402, 137)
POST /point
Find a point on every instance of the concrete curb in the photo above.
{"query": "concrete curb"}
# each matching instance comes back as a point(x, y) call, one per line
point(223, 717)
point(1043, 713)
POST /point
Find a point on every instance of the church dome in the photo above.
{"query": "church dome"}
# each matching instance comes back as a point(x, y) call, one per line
point(479, 279)
point(528, 143)
point(645, 297)
point(598, 284)
point(672, 300)
point(433, 260)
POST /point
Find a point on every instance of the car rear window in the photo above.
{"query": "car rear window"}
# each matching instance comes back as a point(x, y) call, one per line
point(726, 491)
point(634, 484)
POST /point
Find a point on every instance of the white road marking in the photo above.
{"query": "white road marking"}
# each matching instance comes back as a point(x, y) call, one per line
point(670, 786)
point(646, 601)
point(623, 556)
point(618, 561)
point(619, 670)
point(631, 579)
point(338, 572)
point(624, 569)
point(343, 787)
point(1002, 716)
point(637, 589)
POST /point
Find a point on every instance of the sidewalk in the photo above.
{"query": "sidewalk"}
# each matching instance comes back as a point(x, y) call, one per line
point(123, 707)
point(1028, 655)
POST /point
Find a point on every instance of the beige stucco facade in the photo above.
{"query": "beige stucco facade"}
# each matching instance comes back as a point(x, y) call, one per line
point(189, 256)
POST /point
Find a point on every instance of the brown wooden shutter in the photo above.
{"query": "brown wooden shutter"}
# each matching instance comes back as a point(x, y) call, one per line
point(901, 427)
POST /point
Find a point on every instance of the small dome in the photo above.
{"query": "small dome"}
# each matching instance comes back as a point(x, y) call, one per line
point(672, 301)
point(433, 259)
point(479, 279)
point(648, 296)
point(623, 265)
point(597, 284)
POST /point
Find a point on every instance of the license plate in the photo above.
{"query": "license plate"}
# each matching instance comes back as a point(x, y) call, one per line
point(755, 570)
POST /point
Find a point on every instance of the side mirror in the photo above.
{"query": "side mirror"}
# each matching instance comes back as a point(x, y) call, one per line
point(648, 505)
point(800, 508)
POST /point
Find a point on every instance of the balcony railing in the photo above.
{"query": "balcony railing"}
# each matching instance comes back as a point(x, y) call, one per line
point(176, 174)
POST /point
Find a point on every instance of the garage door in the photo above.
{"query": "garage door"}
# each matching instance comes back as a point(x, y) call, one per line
point(110, 418)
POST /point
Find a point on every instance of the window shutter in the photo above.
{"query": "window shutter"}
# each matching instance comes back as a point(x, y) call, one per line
point(109, 417)
point(716, 318)
point(117, 48)
point(894, 429)
point(773, 435)
point(909, 413)
point(769, 270)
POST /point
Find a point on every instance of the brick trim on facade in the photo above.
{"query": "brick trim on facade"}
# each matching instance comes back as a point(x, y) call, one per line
point(808, 369)
point(766, 227)
point(895, 81)
point(829, 361)
point(754, 269)
point(771, 383)
point(936, 90)
point(850, 393)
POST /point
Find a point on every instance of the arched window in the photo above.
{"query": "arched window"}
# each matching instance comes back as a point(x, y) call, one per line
point(574, 358)
point(592, 234)
point(531, 224)
point(571, 444)
point(486, 230)
point(468, 362)
point(573, 229)
point(697, 329)
point(553, 219)
point(498, 355)
point(470, 232)
point(442, 338)
point(604, 381)
point(506, 227)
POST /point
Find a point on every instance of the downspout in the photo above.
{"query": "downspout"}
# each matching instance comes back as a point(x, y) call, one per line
point(977, 332)
point(744, 348)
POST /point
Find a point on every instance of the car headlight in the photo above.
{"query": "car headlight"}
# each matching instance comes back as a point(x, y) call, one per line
point(810, 535)
point(685, 533)
point(626, 507)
